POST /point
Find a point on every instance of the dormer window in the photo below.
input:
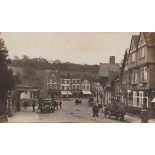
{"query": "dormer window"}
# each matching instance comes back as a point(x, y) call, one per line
point(141, 40)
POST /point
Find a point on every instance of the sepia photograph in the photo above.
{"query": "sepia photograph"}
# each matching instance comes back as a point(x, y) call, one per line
point(77, 77)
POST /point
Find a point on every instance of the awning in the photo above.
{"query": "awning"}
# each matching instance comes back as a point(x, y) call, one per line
point(66, 93)
point(153, 100)
point(86, 92)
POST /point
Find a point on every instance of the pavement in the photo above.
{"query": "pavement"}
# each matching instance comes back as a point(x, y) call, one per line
point(134, 119)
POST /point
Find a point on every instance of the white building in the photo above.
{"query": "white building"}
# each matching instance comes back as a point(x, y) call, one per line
point(85, 87)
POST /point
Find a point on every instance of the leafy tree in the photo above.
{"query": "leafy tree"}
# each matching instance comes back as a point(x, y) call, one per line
point(7, 80)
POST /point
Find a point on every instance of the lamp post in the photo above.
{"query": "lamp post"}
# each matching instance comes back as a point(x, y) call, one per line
point(144, 111)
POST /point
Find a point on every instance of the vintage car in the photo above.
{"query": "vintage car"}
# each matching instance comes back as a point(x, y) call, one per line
point(91, 101)
point(78, 101)
point(46, 106)
point(115, 110)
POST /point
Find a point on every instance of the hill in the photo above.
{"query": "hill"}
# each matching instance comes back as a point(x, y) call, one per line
point(31, 72)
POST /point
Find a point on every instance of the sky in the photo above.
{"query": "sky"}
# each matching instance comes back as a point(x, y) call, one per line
point(75, 47)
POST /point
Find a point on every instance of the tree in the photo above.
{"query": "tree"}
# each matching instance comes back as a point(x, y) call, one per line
point(6, 78)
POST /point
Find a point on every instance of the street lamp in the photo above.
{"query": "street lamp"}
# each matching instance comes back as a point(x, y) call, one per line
point(144, 111)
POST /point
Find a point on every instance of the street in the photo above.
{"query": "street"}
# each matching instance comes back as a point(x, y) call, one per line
point(69, 113)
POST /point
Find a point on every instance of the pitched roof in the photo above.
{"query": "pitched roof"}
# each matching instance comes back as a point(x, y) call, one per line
point(134, 40)
point(106, 68)
point(149, 38)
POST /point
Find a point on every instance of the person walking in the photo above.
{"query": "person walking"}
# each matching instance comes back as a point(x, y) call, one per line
point(25, 104)
point(60, 104)
point(95, 109)
point(33, 105)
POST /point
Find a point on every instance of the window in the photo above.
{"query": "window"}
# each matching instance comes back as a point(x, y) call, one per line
point(63, 88)
point(143, 74)
point(141, 52)
point(55, 86)
point(134, 76)
point(130, 96)
point(133, 57)
point(68, 87)
point(73, 87)
point(50, 80)
point(134, 98)
point(141, 40)
point(141, 98)
point(78, 87)
point(137, 99)
point(78, 81)
point(87, 87)
point(83, 87)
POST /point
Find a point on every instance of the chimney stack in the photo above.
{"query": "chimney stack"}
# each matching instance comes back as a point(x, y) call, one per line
point(112, 59)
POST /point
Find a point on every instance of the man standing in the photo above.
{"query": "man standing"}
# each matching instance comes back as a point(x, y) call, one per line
point(33, 105)
point(25, 104)
point(60, 104)
point(95, 109)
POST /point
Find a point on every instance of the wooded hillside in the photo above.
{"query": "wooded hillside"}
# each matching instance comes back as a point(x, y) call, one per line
point(31, 70)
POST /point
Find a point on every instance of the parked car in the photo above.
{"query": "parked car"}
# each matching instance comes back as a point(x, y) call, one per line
point(78, 101)
point(46, 106)
point(115, 110)
point(91, 101)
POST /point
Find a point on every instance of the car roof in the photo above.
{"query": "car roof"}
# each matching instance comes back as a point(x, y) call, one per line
point(47, 99)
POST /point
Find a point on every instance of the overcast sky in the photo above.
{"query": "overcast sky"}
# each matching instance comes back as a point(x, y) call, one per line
point(83, 48)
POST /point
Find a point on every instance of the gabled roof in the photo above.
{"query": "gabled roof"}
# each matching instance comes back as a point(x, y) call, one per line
point(134, 41)
point(149, 38)
point(106, 68)
point(124, 62)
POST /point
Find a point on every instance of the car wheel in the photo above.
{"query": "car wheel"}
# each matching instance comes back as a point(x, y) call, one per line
point(122, 118)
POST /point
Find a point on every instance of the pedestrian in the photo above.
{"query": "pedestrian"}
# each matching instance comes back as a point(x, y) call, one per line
point(56, 105)
point(60, 104)
point(95, 109)
point(25, 105)
point(33, 105)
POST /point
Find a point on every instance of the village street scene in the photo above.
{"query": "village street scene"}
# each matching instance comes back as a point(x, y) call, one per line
point(36, 88)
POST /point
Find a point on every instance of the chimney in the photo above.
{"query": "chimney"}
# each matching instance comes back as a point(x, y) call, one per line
point(112, 59)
